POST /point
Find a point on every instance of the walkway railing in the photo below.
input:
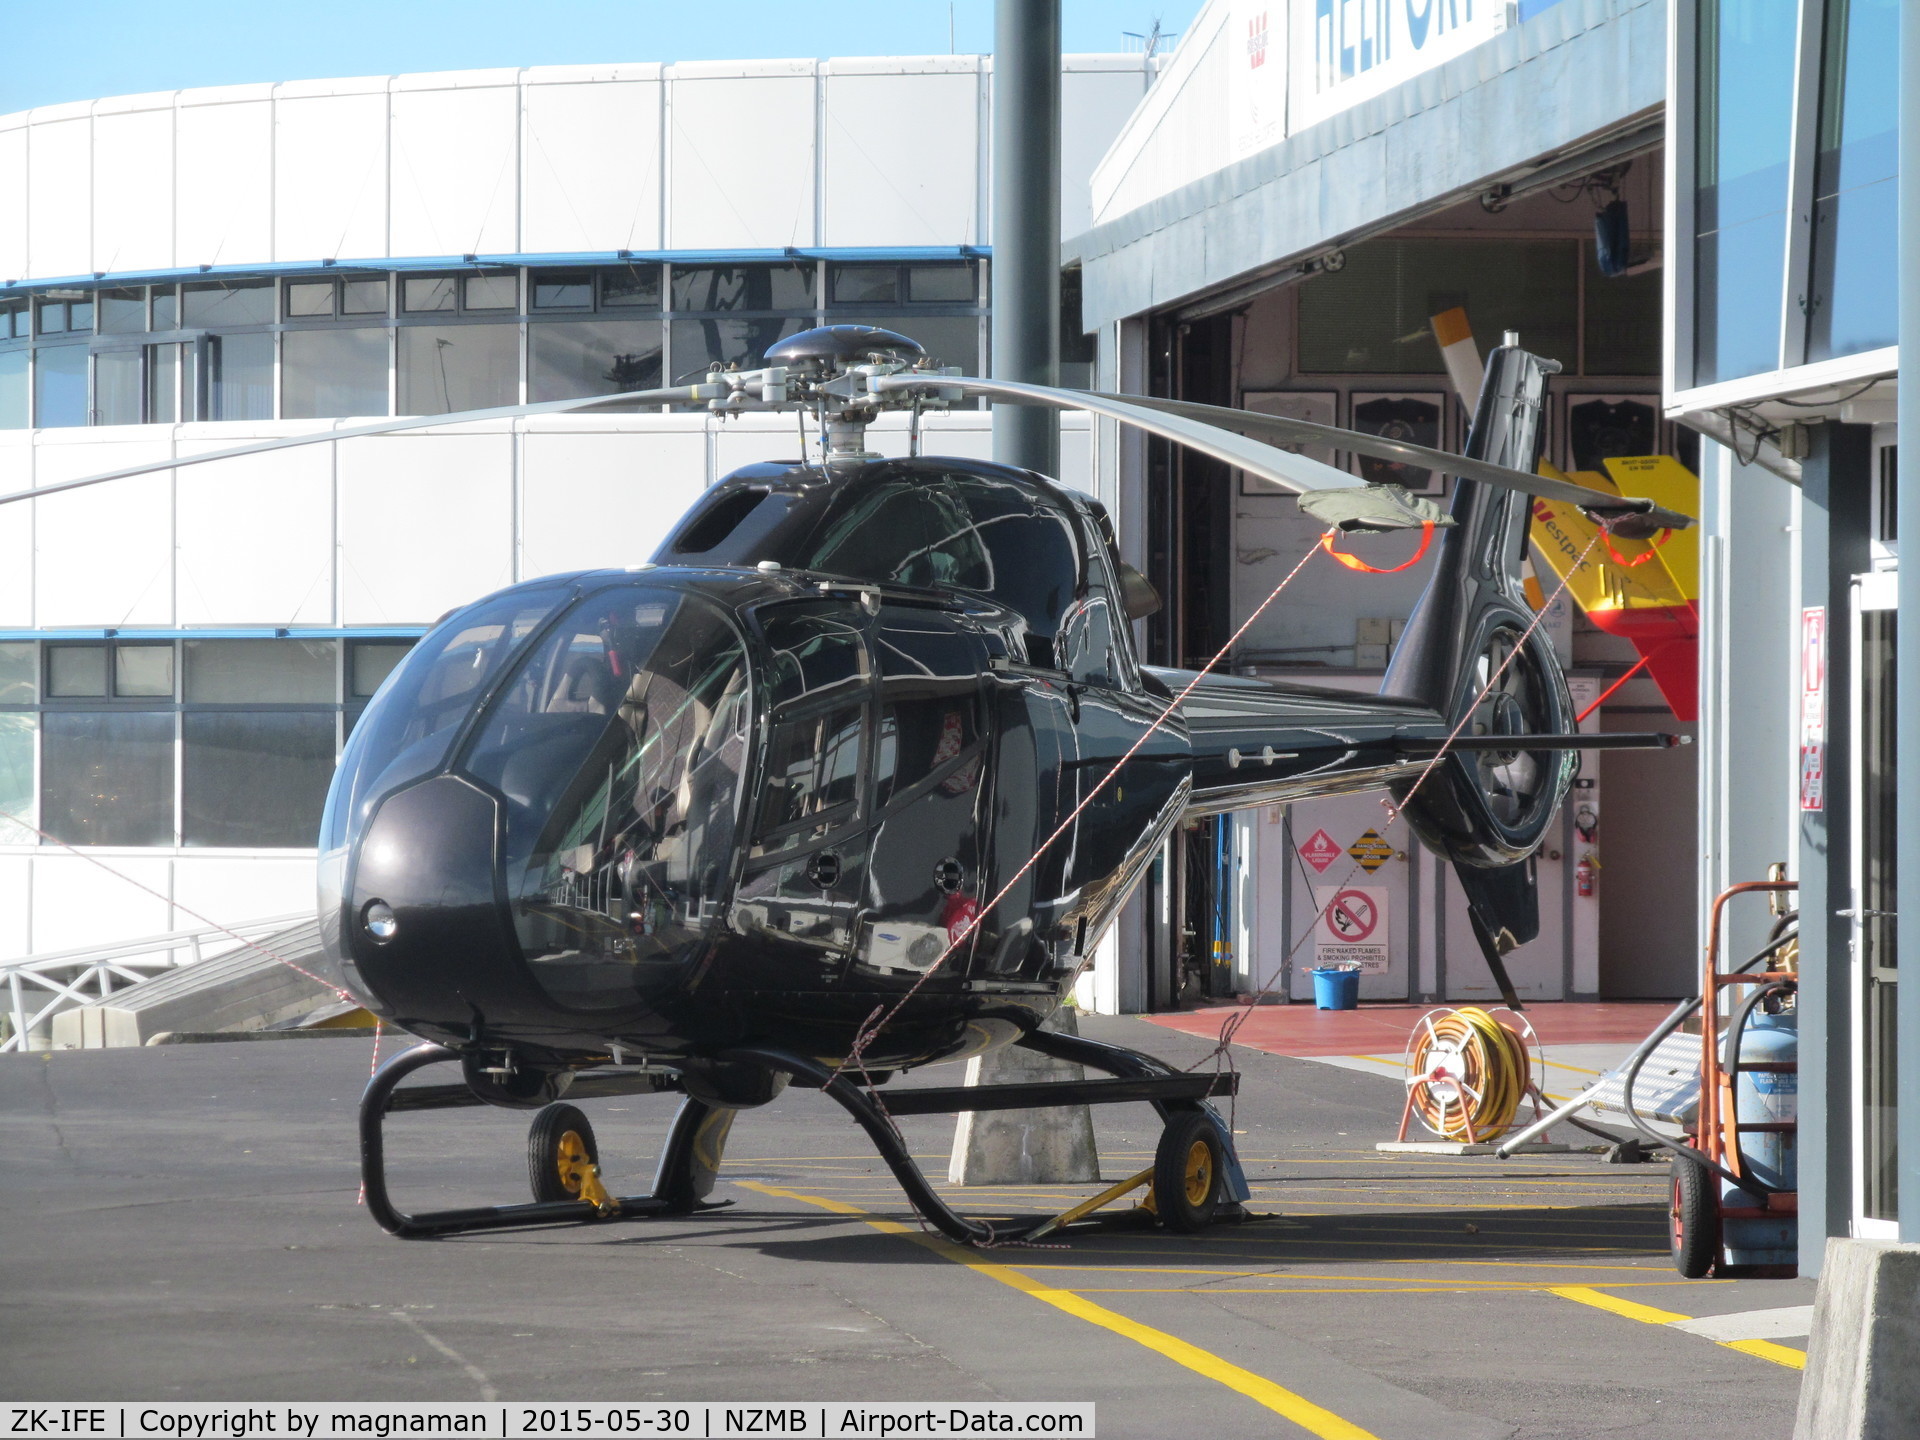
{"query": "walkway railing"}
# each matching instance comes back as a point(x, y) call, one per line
point(40, 986)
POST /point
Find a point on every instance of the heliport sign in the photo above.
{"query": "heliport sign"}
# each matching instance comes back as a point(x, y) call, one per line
point(1341, 52)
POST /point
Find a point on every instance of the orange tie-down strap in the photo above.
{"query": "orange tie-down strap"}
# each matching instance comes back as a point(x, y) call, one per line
point(1354, 562)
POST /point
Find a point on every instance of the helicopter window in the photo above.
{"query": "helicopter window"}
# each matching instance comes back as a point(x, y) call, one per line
point(1091, 647)
point(813, 775)
point(618, 746)
point(909, 532)
point(717, 521)
point(1033, 557)
point(923, 737)
point(407, 728)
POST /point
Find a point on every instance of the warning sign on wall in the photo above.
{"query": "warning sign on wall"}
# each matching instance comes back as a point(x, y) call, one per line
point(1352, 929)
point(1319, 850)
point(1371, 851)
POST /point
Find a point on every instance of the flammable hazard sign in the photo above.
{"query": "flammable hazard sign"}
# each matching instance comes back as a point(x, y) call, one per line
point(1371, 851)
point(1320, 850)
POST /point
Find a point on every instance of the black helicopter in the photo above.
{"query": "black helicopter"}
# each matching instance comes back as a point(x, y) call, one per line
point(795, 800)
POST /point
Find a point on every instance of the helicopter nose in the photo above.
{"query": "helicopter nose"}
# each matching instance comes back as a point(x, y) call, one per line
point(423, 922)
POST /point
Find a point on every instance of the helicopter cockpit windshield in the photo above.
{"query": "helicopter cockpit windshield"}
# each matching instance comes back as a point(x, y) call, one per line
point(618, 746)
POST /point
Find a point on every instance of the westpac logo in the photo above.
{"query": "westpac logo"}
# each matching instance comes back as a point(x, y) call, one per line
point(1257, 41)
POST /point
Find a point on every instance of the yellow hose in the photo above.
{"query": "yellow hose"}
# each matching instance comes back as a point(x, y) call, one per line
point(1467, 1071)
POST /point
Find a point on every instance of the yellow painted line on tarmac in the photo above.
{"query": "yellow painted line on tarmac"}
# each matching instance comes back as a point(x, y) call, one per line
point(1314, 1419)
point(1779, 1354)
point(1765, 1349)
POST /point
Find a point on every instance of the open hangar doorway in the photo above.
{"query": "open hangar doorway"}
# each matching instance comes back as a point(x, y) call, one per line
point(1346, 341)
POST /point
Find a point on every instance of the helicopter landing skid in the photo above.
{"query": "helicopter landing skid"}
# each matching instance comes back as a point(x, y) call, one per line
point(687, 1162)
point(677, 1187)
point(1137, 1077)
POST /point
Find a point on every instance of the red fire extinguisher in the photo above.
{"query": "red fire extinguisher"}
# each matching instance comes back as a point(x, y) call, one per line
point(1584, 873)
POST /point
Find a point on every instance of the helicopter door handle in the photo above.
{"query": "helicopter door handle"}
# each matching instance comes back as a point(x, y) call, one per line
point(824, 869)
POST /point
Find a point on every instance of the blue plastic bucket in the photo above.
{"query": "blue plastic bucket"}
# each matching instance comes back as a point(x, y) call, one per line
point(1336, 989)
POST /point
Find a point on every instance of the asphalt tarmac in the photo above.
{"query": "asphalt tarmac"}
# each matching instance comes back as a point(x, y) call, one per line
point(179, 1223)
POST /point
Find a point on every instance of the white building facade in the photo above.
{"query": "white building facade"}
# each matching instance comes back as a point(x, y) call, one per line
point(182, 654)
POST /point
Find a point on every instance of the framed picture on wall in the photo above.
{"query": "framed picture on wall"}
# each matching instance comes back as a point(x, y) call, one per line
point(1604, 426)
point(1415, 417)
point(1322, 407)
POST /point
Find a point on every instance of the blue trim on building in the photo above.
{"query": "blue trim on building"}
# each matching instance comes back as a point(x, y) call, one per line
point(899, 254)
point(225, 632)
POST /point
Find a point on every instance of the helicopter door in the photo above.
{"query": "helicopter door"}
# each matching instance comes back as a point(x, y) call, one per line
point(806, 863)
point(929, 777)
point(1034, 752)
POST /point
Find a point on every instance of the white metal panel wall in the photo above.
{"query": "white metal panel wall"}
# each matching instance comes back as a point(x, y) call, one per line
point(719, 156)
point(59, 189)
point(256, 542)
point(13, 196)
point(224, 213)
point(740, 146)
point(1095, 101)
point(76, 903)
point(456, 178)
point(230, 889)
point(16, 529)
point(903, 152)
point(1180, 133)
point(133, 183)
point(330, 169)
point(593, 498)
point(16, 907)
point(104, 559)
point(426, 523)
point(592, 166)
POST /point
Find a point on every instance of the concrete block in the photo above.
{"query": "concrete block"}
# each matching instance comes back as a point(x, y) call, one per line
point(1025, 1147)
point(1861, 1381)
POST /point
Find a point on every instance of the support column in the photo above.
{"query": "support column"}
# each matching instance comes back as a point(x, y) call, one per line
point(1835, 519)
point(1026, 225)
point(1907, 644)
point(1748, 644)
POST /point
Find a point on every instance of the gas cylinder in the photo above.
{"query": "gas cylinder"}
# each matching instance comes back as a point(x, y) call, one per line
point(1768, 1096)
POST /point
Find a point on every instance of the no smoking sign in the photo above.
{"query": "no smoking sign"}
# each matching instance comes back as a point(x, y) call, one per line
point(1352, 927)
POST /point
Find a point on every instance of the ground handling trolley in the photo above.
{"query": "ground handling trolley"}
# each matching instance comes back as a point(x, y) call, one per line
point(1734, 1199)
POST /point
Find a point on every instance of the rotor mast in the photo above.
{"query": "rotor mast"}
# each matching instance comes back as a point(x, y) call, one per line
point(1026, 225)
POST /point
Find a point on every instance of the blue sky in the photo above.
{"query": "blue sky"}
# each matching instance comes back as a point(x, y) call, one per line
point(82, 49)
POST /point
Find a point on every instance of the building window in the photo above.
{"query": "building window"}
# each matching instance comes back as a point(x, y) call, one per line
point(425, 293)
point(229, 304)
point(163, 384)
point(256, 672)
point(591, 357)
point(310, 299)
point(1744, 114)
point(166, 308)
point(242, 376)
point(17, 737)
point(1852, 305)
point(563, 290)
point(65, 312)
point(106, 777)
point(136, 671)
point(13, 389)
point(118, 386)
point(363, 297)
point(491, 292)
point(333, 372)
point(254, 778)
point(123, 312)
point(458, 367)
point(704, 289)
point(16, 320)
point(60, 386)
point(634, 287)
point(144, 671)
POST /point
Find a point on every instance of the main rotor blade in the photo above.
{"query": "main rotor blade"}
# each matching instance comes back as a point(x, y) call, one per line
point(1298, 473)
point(676, 395)
point(1248, 422)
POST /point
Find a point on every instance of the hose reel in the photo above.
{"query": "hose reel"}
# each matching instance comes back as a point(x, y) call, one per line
point(1467, 1072)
